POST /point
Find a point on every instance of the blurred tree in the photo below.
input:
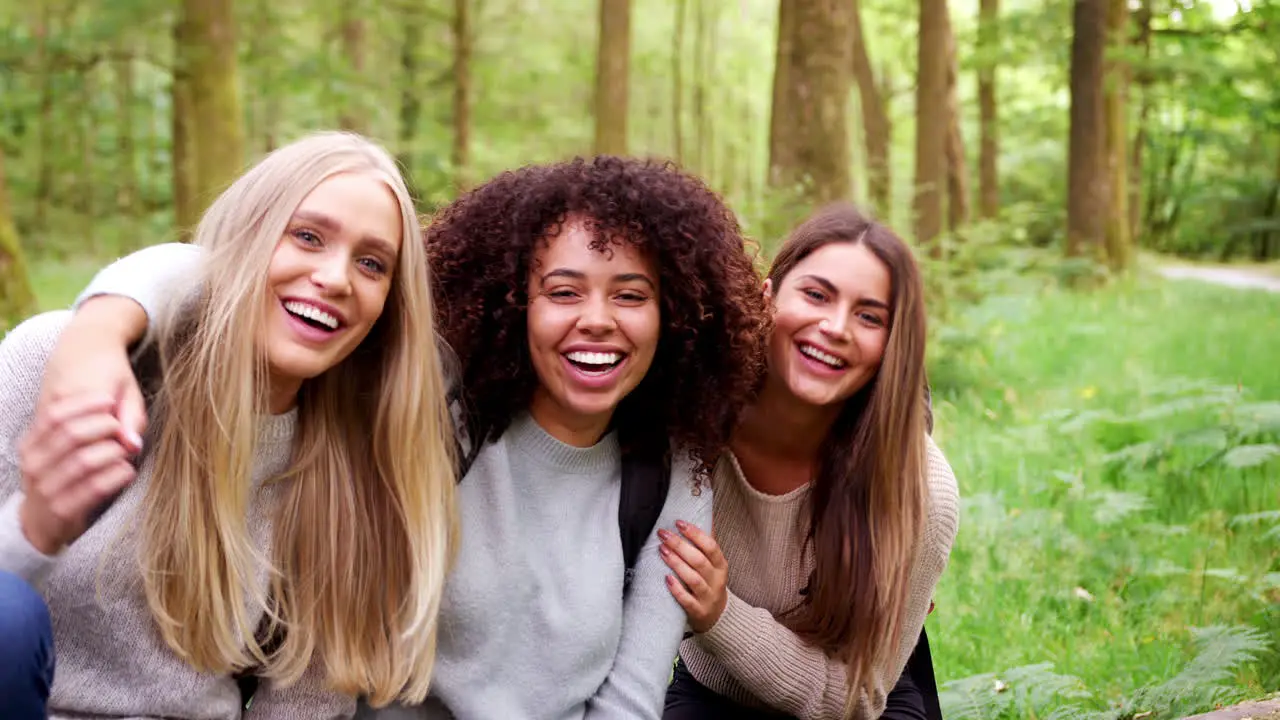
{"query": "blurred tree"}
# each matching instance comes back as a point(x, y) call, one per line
point(1086, 172)
point(16, 301)
point(931, 122)
point(612, 75)
point(988, 117)
point(877, 132)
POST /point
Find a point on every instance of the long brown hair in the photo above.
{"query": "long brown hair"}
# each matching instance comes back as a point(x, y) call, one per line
point(868, 499)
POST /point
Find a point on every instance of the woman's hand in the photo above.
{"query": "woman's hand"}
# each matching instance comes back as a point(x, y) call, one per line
point(92, 357)
point(703, 585)
point(72, 463)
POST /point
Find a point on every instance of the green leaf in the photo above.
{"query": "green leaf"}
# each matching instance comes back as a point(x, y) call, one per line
point(1246, 456)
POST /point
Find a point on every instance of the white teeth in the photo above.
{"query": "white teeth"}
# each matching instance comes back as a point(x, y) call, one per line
point(594, 358)
point(312, 312)
point(824, 358)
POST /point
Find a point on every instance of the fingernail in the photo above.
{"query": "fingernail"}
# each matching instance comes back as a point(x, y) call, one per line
point(664, 534)
point(684, 526)
point(134, 438)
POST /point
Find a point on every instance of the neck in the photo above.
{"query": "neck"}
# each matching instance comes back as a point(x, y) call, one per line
point(577, 430)
point(284, 395)
point(781, 425)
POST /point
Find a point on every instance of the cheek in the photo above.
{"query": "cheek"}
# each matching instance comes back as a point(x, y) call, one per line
point(644, 330)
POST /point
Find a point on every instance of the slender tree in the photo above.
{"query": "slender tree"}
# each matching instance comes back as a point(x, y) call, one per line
point(612, 77)
point(876, 129)
point(677, 82)
point(931, 122)
point(1116, 101)
point(353, 115)
point(988, 118)
point(957, 166)
point(780, 120)
point(461, 92)
point(1086, 158)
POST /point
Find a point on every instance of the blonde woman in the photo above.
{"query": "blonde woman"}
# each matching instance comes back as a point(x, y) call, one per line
point(291, 513)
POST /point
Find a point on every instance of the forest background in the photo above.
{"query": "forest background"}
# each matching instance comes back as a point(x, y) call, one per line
point(1116, 434)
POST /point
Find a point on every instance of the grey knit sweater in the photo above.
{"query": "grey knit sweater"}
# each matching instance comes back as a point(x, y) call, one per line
point(111, 660)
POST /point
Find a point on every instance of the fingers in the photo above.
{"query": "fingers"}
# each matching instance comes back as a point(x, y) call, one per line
point(682, 596)
point(704, 542)
point(68, 426)
point(686, 550)
point(691, 578)
point(82, 499)
point(132, 412)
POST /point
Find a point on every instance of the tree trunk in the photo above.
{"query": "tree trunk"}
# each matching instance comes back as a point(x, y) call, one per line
point(16, 300)
point(186, 208)
point(1116, 101)
point(704, 152)
point(780, 122)
point(354, 115)
point(931, 122)
point(44, 81)
point(1143, 79)
point(85, 189)
point(461, 93)
point(875, 120)
point(612, 62)
point(816, 140)
point(410, 102)
point(1086, 166)
point(989, 147)
point(677, 84)
point(217, 123)
point(957, 166)
point(127, 189)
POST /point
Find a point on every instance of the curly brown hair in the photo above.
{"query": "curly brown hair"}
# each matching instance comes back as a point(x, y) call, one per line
point(710, 352)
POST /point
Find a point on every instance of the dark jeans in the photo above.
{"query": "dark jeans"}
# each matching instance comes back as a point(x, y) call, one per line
point(26, 650)
point(687, 699)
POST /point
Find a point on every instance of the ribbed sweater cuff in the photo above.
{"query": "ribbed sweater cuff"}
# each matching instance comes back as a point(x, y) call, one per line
point(17, 555)
point(734, 633)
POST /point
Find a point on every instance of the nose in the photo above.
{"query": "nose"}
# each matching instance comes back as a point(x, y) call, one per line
point(597, 317)
point(835, 326)
point(332, 273)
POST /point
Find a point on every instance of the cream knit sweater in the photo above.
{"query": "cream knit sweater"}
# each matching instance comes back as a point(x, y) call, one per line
point(752, 658)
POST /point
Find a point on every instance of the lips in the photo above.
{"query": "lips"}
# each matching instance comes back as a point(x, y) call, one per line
point(594, 368)
point(312, 322)
point(820, 358)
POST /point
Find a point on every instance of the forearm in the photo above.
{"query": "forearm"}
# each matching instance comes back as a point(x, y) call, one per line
point(128, 296)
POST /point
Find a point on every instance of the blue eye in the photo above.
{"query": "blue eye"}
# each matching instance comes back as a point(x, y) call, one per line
point(373, 265)
point(306, 237)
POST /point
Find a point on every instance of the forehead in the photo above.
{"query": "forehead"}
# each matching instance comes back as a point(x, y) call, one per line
point(851, 268)
point(571, 249)
point(361, 203)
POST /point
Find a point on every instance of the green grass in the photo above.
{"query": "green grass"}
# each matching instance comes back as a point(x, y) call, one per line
point(1093, 437)
point(56, 283)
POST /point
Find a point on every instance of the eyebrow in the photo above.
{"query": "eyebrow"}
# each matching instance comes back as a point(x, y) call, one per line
point(831, 288)
point(332, 225)
point(576, 275)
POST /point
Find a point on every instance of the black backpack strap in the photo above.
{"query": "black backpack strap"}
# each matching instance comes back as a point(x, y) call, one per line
point(920, 667)
point(646, 477)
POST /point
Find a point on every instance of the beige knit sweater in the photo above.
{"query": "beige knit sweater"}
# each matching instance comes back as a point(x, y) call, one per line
point(111, 660)
point(752, 658)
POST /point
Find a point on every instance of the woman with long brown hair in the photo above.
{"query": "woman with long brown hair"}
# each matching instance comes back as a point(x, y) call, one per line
point(834, 511)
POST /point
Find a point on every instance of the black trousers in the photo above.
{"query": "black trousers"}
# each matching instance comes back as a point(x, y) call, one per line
point(914, 697)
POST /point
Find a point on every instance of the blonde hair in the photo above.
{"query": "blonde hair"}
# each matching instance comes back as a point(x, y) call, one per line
point(364, 532)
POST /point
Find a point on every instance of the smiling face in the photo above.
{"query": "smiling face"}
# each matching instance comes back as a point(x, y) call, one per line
point(593, 327)
point(831, 322)
point(329, 277)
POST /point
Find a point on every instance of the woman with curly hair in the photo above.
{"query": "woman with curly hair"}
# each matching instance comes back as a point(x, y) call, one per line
point(597, 308)
point(835, 512)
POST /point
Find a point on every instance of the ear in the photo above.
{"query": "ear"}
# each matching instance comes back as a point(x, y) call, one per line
point(768, 290)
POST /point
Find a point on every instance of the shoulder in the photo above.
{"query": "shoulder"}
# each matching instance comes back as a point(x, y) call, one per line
point(29, 345)
point(688, 495)
point(944, 500)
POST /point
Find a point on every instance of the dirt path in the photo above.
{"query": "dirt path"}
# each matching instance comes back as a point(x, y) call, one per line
point(1231, 277)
